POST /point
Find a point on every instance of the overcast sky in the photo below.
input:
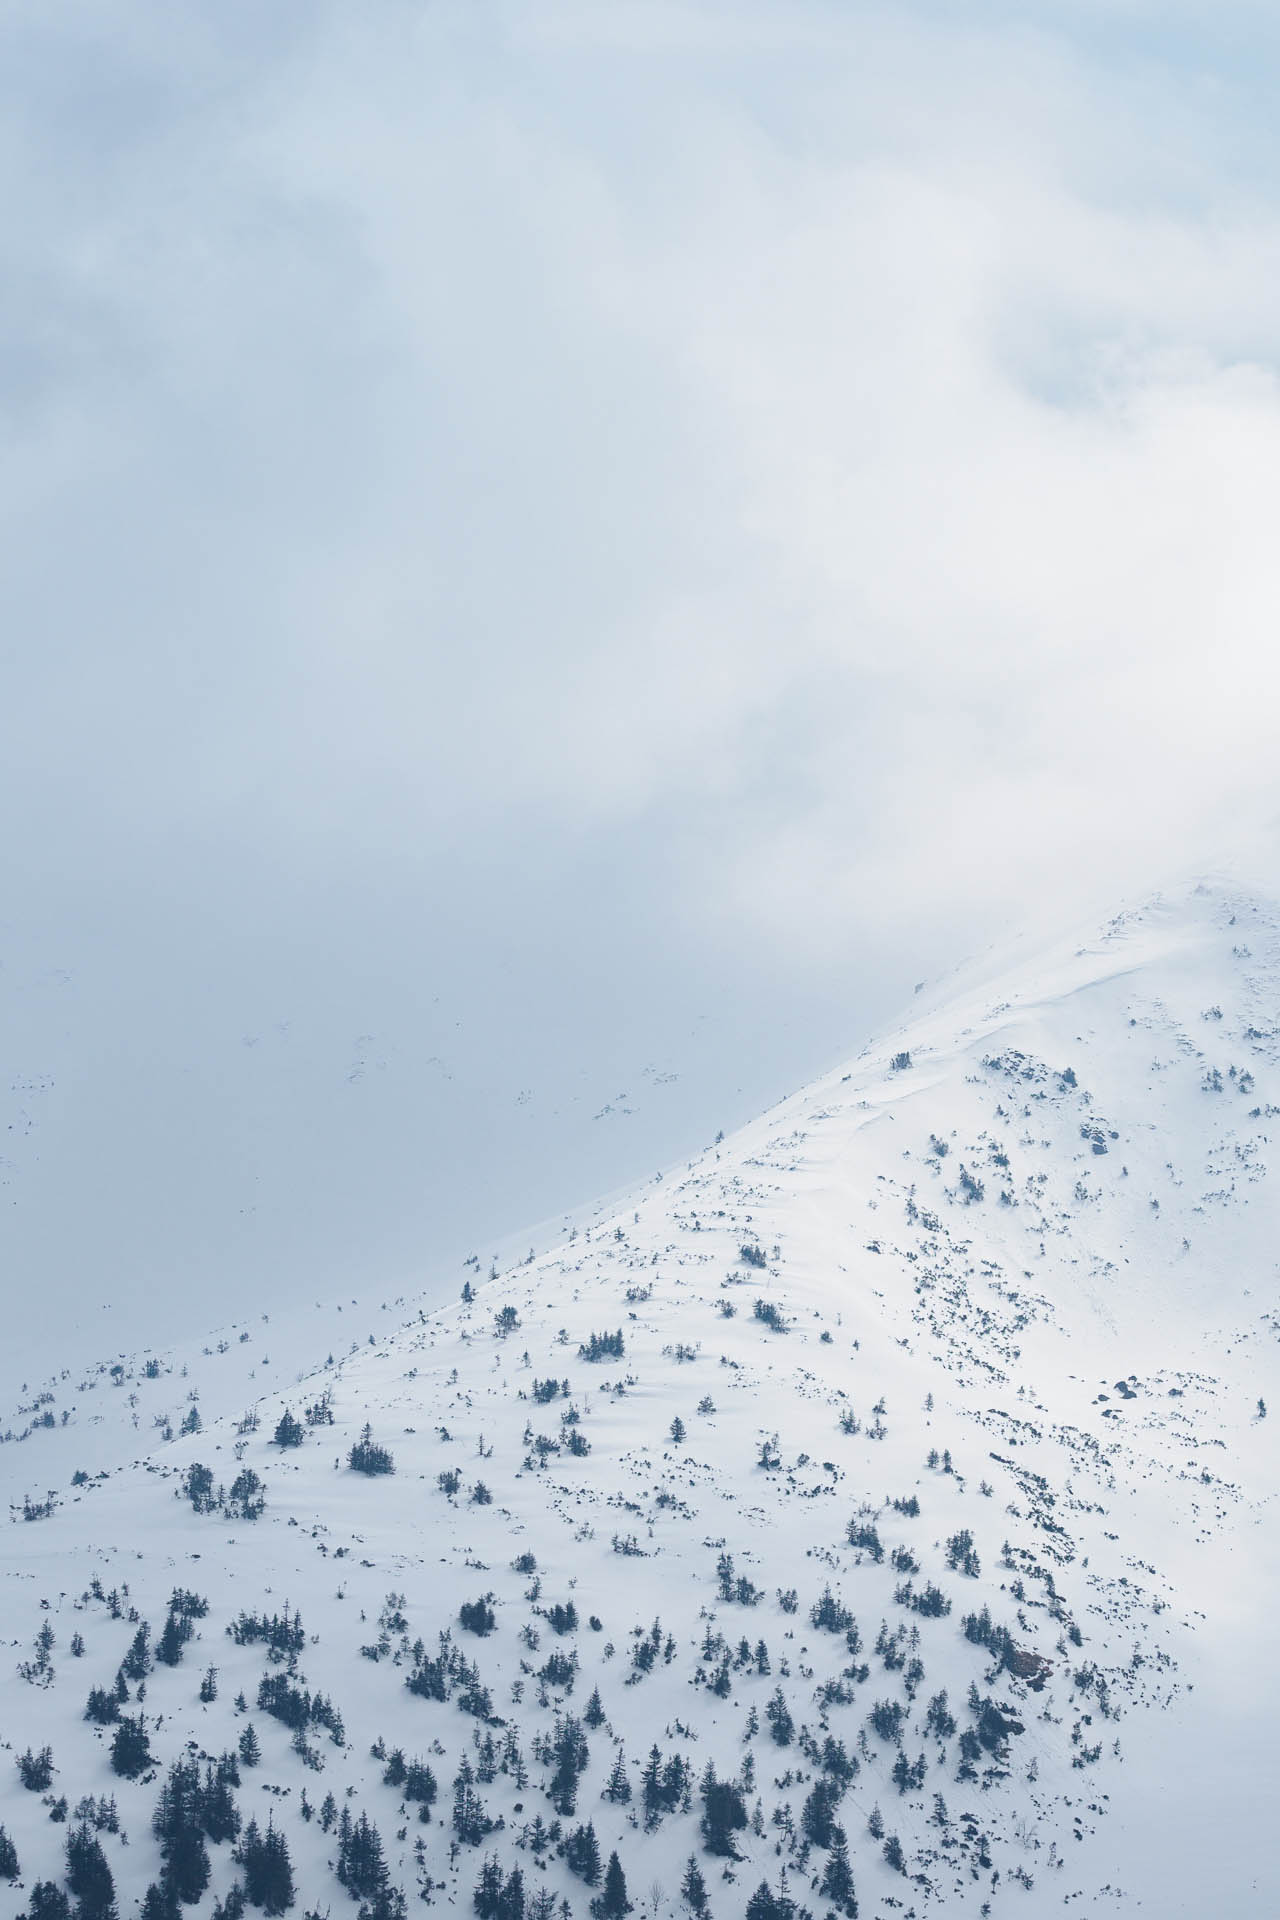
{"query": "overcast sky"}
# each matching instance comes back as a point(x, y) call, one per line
point(558, 558)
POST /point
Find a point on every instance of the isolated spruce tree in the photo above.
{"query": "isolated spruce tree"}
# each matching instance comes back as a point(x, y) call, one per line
point(8, 1857)
point(131, 1748)
point(593, 1712)
point(778, 1714)
point(618, 1787)
point(173, 1638)
point(89, 1876)
point(693, 1890)
point(198, 1487)
point(249, 1750)
point(289, 1431)
point(837, 1877)
point(366, 1456)
point(420, 1787)
point(612, 1902)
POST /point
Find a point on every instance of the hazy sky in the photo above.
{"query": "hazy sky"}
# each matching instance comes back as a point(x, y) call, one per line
point(552, 547)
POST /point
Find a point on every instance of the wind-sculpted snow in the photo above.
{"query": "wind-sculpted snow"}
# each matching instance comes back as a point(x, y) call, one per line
point(834, 1520)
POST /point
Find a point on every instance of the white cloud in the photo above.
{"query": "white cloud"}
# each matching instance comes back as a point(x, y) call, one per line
point(739, 492)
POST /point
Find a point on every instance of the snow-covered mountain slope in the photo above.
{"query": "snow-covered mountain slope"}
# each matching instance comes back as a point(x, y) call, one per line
point(900, 1470)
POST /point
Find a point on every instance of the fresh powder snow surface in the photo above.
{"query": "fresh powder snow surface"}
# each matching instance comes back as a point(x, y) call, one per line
point(902, 1468)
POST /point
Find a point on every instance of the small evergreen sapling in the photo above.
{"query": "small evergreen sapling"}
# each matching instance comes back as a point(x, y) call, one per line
point(366, 1456)
point(289, 1432)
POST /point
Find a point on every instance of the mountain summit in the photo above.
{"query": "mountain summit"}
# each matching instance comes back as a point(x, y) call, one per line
point(874, 1516)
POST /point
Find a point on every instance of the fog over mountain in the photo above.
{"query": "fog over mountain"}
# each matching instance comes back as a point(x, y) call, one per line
point(873, 1516)
point(572, 568)
point(559, 559)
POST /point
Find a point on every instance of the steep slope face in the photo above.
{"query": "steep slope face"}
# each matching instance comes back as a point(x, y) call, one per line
point(877, 1512)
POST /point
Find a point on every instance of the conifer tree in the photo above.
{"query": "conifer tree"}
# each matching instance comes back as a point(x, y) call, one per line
point(246, 1499)
point(289, 1432)
point(178, 1824)
point(173, 1638)
point(487, 1896)
point(48, 1902)
point(89, 1877)
point(764, 1904)
point(470, 1821)
point(582, 1854)
point(35, 1770)
point(618, 1788)
point(101, 1707)
point(724, 1813)
point(612, 1902)
point(593, 1712)
point(693, 1890)
point(131, 1748)
point(837, 1877)
point(268, 1871)
point(8, 1857)
point(420, 1787)
point(778, 1714)
point(651, 1788)
point(361, 1866)
point(136, 1664)
point(366, 1456)
point(219, 1814)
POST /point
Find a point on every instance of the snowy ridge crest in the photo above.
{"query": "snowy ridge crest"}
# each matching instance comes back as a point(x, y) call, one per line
point(821, 1534)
